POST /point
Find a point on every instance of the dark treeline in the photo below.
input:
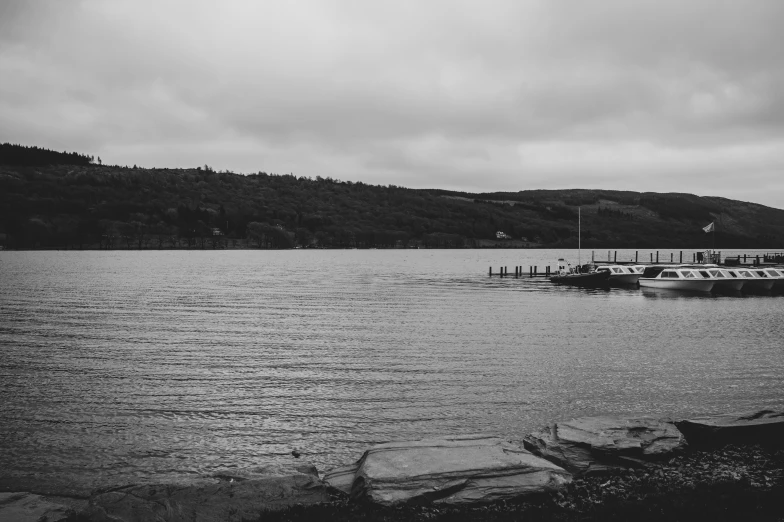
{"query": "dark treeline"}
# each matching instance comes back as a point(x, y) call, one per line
point(614, 213)
point(11, 154)
point(94, 206)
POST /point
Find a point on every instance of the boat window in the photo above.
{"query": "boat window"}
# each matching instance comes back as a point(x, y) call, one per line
point(617, 270)
point(703, 273)
point(771, 273)
point(667, 273)
point(687, 274)
point(733, 274)
point(716, 274)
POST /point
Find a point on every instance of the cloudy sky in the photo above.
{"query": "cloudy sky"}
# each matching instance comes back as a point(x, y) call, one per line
point(668, 96)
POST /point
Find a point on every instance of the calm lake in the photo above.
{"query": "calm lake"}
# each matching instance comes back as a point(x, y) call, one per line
point(127, 366)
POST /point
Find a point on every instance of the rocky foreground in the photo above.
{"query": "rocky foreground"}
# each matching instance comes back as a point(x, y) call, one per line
point(598, 468)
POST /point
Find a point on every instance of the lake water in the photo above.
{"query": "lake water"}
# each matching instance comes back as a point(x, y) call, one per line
point(131, 366)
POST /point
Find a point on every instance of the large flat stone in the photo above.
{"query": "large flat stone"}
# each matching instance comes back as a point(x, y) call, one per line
point(225, 499)
point(766, 426)
point(590, 445)
point(342, 478)
point(28, 507)
point(451, 470)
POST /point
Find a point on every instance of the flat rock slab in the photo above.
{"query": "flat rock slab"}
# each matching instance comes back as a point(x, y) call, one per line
point(451, 470)
point(224, 499)
point(764, 426)
point(591, 445)
point(28, 507)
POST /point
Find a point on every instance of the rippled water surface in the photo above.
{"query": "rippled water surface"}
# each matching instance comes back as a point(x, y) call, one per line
point(122, 366)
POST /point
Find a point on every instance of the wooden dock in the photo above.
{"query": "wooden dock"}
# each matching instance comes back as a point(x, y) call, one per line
point(655, 259)
point(533, 271)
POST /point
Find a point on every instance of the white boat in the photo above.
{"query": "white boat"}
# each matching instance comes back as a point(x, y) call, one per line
point(726, 280)
point(620, 274)
point(756, 280)
point(777, 274)
point(677, 278)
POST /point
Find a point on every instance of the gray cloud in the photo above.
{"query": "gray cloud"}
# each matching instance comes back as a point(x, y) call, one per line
point(500, 95)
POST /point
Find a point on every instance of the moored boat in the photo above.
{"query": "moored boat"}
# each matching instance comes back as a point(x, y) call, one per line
point(620, 274)
point(677, 278)
point(726, 280)
point(585, 275)
point(777, 274)
point(756, 280)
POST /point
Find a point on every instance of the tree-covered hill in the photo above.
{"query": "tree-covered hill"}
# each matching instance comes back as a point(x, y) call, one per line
point(12, 154)
point(93, 206)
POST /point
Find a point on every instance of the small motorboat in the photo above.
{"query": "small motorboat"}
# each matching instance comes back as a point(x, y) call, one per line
point(585, 275)
point(777, 274)
point(726, 280)
point(677, 278)
point(620, 274)
point(756, 280)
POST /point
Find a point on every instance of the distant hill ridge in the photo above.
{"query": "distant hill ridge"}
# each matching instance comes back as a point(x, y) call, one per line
point(67, 201)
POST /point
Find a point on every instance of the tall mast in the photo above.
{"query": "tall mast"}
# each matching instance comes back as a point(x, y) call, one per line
point(579, 233)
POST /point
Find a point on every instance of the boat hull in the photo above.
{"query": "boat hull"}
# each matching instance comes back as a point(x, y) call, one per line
point(729, 285)
point(688, 285)
point(759, 285)
point(624, 279)
point(594, 279)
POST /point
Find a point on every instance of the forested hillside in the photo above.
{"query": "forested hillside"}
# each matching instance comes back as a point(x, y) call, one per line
point(94, 206)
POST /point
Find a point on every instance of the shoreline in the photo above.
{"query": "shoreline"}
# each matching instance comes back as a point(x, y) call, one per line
point(720, 467)
point(726, 482)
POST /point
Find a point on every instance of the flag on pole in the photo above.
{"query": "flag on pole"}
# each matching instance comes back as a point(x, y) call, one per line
point(709, 228)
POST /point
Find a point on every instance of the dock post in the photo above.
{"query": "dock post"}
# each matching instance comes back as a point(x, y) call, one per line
point(591, 256)
point(490, 271)
point(530, 271)
point(744, 258)
point(535, 269)
point(547, 270)
point(693, 257)
point(671, 254)
point(608, 256)
point(636, 252)
point(681, 256)
point(651, 257)
point(615, 257)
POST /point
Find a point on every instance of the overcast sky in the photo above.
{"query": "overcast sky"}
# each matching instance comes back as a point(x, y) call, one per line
point(667, 96)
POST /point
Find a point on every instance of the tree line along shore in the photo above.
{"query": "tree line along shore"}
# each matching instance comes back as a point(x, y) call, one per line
point(70, 200)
